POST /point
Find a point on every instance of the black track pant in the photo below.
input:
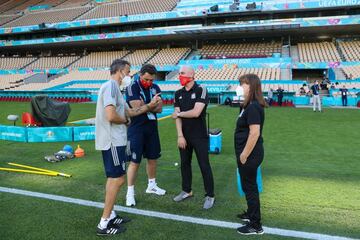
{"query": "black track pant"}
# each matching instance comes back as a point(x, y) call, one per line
point(248, 173)
point(201, 147)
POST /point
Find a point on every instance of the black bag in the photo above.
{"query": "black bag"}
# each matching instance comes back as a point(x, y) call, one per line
point(49, 112)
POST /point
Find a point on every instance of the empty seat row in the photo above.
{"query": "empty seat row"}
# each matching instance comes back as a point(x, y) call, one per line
point(99, 59)
point(318, 52)
point(169, 56)
point(351, 50)
point(7, 18)
point(130, 8)
point(15, 62)
point(49, 16)
point(240, 50)
point(12, 81)
point(52, 62)
point(235, 73)
point(352, 72)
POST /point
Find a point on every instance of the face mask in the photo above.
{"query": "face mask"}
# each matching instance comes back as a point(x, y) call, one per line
point(146, 84)
point(125, 82)
point(184, 80)
point(239, 91)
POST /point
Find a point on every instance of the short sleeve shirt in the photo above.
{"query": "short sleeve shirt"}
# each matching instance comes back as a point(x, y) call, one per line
point(107, 133)
point(185, 100)
point(252, 114)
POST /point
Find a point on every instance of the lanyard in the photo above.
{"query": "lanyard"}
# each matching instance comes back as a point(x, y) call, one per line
point(142, 93)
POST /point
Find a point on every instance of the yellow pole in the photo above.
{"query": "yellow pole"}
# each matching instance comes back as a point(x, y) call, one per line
point(40, 169)
point(29, 171)
point(29, 167)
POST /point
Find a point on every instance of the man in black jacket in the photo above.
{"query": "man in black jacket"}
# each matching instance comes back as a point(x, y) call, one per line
point(280, 93)
point(190, 113)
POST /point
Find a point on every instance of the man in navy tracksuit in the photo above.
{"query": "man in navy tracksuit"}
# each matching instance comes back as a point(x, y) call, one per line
point(143, 132)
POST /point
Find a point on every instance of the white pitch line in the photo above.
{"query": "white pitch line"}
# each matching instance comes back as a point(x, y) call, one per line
point(175, 217)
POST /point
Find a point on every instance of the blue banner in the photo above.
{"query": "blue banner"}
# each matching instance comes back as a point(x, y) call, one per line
point(50, 134)
point(84, 133)
point(29, 71)
point(102, 36)
point(301, 100)
point(38, 8)
point(322, 65)
point(13, 133)
point(47, 134)
point(286, 5)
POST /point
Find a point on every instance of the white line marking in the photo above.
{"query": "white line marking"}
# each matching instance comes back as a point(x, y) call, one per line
point(175, 217)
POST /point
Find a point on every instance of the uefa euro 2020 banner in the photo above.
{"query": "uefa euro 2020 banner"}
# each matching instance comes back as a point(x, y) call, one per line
point(50, 134)
point(13, 133)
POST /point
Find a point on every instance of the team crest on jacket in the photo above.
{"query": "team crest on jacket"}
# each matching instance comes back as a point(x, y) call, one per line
point(153, 91)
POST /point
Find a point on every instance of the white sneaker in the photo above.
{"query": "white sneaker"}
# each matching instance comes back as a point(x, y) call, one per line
point(130, 200)
point(155, 190)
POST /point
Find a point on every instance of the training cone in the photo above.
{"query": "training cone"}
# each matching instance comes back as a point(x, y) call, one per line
point(79, 152)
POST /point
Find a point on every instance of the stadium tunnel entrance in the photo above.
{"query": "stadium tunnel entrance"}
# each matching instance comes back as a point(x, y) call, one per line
point(310, 75)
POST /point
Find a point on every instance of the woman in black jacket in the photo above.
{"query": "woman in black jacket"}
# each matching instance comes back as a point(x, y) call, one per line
point(249, 150)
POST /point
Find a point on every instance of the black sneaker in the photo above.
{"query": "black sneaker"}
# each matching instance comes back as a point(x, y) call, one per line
point(250, 230)
point(244, 217)
point(117, 221)
point(109, 230)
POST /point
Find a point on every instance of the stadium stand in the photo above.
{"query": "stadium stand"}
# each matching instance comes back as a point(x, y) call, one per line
point(352, 72)
point(318, 52)
point(8, 5)
point(140, 57)
point(230, 73)
point(130, 8)
point(15, 62)
point(3, 2)
point(292, 88)
point(169, 87)
point(52, 62)
point(7, 18)
point(351, 50)
point(84, 86)
point(244, 50)
point(350, 86)
point(99, 59)
point(72, 3)
point(51, 16)
point(86, 76)
point(52, 3)
point(23, 6)
point(169, 56)
point(12, 81)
